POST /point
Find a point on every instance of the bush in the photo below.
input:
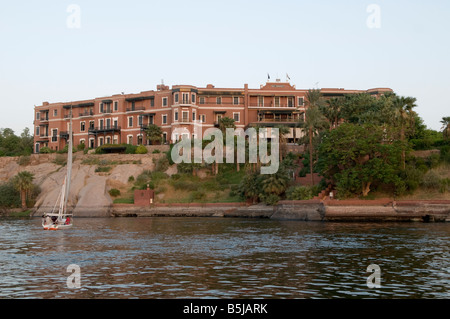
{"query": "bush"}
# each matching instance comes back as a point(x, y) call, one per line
point(103, 169)
point(114, 192)
point(197, 196)
point(156, 151)
point(271, 199)
point(131, 179)
point(162, 164)
point(81, 147)
point(141, 149)
point(60, 160)
point(24, 160)
point(444, 185)
point(9, 196)
point(431, 180)
point(45, 150)
point(301, 192)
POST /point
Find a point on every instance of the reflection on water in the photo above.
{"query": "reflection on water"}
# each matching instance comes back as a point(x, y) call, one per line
point(223, 258)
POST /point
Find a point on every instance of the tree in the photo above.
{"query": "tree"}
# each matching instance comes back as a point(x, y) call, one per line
point(314, 121)
point(282, 131)
point(226, 122)
point(23, 182)
point(332, 111)
point(446, 127)
point(404, 115)
point(356, 157)
point(153, 133)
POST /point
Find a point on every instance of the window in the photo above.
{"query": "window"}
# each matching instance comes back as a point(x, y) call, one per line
point(151, 119)
point(82, 141)
point(219, 100)
point(130, 139)
point(140, 120)
point(108, 140)
point(152, 102)
point(164, 137)
point(260, 100)
point(101, 108)
point(290, 102)
point(164, 101)
point(116, 106)
point(55, 135)
point(55, 112)
point(236, 117)
point(91, 143)
point(185, 116)
point(203, 118)
point(37, 131)
point(202, 100)
point(193, 98)
point(38, 115)
point(300, 101)
point(185, 98)
point(235, 100)
point(193, 116)
point(100, 141)
point(176, 97)
point(108, 124)
point(91, 125)
point(130, 121)
point(101, 123)
point(115, 123)
point(164, 119)
point(82, 126)
point(175, 116)
point(277, 101)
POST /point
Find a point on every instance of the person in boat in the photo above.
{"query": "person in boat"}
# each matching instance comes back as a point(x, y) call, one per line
point(67, 221)
point(47, 219)
point(55, 220)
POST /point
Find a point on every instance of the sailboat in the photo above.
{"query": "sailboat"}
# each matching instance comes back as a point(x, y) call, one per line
point(61, 219)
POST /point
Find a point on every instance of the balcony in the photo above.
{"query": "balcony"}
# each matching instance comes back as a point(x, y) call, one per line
point(44, 136)
point(87, 113)
point(135, 109)
point(104, 129)
point(274, 106)
point(279, 119)
point(64, 135)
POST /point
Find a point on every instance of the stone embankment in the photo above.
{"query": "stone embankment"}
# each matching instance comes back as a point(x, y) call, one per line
point(311, 210)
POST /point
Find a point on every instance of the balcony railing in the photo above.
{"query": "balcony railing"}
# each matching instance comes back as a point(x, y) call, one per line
point(135, 109)
point(273, 105)
point(279, 119)
point(104, 129)
point(44, 136)
point(64, 135)
point(87, 113)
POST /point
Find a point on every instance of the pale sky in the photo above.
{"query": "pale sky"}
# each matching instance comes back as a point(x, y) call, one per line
point(47, 54)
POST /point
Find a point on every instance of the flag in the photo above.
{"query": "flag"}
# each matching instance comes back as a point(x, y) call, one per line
point(287, 77)
point(268, 76)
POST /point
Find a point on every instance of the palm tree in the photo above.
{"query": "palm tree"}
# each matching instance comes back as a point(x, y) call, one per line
point(446, 127)
point(332, 111)
point(23, 182)
point(313, 122)
point(282, 131)
point(153, 133)
point(403, 113)
point(275, 183)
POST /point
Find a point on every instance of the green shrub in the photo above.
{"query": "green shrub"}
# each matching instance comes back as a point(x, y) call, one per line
point(444, 185)
point(81, 147)
point(197, 196)
point(141, 149)
point(302, 192)
point(431, 180)
point(9, 196)
point(45, 150)
point(60, 160)
point(131, 179)
point(103, 169)
point(162, 164)
point(271, 199)
point(114, 192)
point(24, 160)
point(156, 151)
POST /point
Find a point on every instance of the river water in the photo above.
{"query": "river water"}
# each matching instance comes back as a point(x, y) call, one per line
point(223, 258)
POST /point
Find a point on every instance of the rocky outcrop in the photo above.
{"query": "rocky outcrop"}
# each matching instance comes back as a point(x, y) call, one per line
point(89, 195)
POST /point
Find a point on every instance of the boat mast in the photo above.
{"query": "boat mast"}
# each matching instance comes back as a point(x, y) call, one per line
point(69, 164)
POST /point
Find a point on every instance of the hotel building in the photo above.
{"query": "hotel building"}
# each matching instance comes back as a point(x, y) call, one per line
point(123, 118)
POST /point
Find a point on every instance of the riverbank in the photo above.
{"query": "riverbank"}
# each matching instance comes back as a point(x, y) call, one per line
point(310, 210)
